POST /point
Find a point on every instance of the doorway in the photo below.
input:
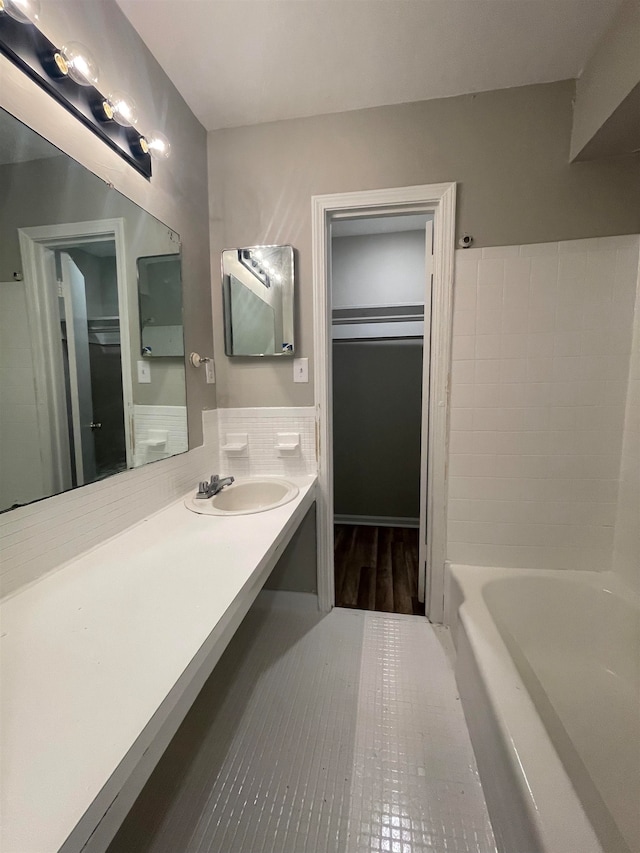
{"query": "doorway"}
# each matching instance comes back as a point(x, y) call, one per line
point(439, 200)
point(380, 283)
point(77, 304)
point(92, 359)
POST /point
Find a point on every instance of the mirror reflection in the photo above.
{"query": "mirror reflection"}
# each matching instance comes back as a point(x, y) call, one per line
point(160, 303)
point(258, 286)
point(78, 400)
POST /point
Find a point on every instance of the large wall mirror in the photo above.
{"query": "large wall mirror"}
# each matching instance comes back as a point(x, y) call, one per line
point(258, 289)
point(84, 391)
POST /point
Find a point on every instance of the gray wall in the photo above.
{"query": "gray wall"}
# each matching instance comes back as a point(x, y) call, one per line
point(508, 150)
point(296, 570)
point(177, 193)
point(377, 269)
point(377, 396)
point(100, 283)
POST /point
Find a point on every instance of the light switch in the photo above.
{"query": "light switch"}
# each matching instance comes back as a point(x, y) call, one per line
point(210, 371)
point(300, 369)
point(144, 372)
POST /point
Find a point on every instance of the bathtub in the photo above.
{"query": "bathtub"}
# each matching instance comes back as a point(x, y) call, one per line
point(548, 669)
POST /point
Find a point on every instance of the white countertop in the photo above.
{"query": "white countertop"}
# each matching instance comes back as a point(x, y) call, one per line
point(95, 652)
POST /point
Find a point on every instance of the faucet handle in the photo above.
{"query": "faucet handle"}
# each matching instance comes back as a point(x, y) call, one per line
point(203, 489)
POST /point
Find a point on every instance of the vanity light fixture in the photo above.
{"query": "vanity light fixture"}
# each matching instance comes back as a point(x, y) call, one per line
point(102, 109)
point(254, 261)
point(159, 146)
point(81, 66)
point(70, 74)
point(23, 11)
point(125, 110)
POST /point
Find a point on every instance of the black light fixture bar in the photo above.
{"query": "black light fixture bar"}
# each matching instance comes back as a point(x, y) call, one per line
point(32, 52)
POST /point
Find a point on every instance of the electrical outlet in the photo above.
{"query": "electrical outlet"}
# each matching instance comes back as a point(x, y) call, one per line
point(300, 369)
point(210, 371)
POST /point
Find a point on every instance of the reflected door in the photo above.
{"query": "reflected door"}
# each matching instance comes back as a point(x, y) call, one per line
point(76, 334)
point(92, 361)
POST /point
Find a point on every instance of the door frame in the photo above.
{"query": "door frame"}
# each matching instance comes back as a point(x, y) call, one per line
point(439, 199)
point(35, 244)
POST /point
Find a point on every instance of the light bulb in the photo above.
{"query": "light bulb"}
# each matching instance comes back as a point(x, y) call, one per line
point(125, 111)
point(159, 146)
point(81, 66)
point(25, 11)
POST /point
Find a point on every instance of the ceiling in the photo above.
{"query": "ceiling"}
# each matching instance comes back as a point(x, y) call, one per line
point(241, 62)
point(367, 225)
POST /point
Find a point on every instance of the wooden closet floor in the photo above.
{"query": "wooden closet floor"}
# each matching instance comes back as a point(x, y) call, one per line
point(377, 568)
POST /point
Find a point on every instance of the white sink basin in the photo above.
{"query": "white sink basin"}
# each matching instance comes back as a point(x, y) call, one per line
point(245, 497)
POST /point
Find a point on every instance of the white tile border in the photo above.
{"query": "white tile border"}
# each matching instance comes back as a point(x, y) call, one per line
point(45, 535)
point(262, 426)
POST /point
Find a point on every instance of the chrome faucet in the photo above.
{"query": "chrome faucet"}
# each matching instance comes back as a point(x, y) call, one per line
point(211, 488)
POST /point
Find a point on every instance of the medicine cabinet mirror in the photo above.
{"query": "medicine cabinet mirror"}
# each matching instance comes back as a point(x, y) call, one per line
point(78, 400)
point(160, 304)
point(258, 291)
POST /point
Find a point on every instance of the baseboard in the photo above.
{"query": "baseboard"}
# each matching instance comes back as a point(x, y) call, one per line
point(376, 520)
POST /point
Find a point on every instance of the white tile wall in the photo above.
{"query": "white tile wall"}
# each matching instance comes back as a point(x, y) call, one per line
point(541, 343)
point(262, 426)
point(38, 538)
point(173, 419)
point(626, 553)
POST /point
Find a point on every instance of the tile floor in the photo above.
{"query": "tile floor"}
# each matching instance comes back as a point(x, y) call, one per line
point(340, 733)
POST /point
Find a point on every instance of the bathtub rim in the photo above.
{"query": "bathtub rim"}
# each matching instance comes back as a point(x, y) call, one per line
point(551, 814)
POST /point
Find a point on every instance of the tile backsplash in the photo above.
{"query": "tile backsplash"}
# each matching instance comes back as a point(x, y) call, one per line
point(159, 432)
point(541, 346)
point(38, 538)
point(263, 428)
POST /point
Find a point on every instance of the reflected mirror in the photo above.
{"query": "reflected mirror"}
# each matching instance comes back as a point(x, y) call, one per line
point(257, 287)
point(78, 260)
point(160, 305)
